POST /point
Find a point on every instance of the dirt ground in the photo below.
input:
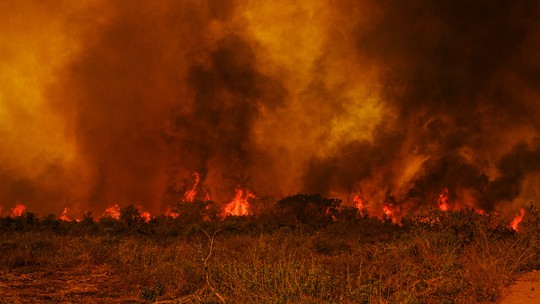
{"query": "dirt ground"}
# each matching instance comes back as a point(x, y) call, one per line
point(71, 285)
point(97, 285)
point(526, 290)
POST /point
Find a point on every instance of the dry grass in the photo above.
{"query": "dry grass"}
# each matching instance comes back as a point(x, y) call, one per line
point(452, 261)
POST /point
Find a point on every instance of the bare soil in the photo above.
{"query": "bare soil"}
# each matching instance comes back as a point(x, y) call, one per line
point(526, 290)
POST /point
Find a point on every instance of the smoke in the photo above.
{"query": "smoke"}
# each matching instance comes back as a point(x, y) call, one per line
point(123, 101)
point(462, 80)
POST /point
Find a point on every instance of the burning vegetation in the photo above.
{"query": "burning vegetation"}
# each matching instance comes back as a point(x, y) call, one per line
point(339, 253)
point(241, 206)
point(208, 114)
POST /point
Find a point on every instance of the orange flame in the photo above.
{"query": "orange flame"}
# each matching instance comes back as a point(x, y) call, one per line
point(113, 212)
point(517, 219)
point(64, 216)
point(480, 211)
point(239, 206)
point(328, 211)
point(206, 217)
point(388, 211)
point(190, 194)
point(171, 213)
point(391, 212)
point(442, 201)
point(18, 210)
point(145, 215)
point(358, 202)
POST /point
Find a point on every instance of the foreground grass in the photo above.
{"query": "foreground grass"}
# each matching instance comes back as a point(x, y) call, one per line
point(458, 257)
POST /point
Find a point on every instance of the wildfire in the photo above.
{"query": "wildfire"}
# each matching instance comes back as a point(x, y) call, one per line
point(18, 210)
point(442, 201)
point(328, 211)
point(517, 219)
point(358, 202)
point(171, 213)
point(145, 215)
point(480, 211)
point(112, 212)
point(239, 206)
point(206, 218)
point(64, 216)
point(388, 211)
point(190, 194)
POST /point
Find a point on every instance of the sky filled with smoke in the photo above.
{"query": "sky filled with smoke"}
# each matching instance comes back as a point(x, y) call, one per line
point(105, 102)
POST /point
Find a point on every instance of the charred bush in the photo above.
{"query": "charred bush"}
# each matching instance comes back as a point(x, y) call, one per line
point(196, 212)
point(311, 210)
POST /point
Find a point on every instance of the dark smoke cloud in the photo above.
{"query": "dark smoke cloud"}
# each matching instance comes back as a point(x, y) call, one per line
point(456, 72)
point(390, 98)
point(44, 187)
point(514, 167)
point(157, 97)
point(356, 161)
point(216, 134)
point(121, 89)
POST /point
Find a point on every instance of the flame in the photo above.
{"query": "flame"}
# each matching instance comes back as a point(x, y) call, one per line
point(388, 211)
point(328, 211)
point(171, 213)
point(112, 212)
point(206, 217)
point(1, 209)
point(480, 211)
point(358, 202)
point(442, 201)
point(239, 206)
point(18, 210)
point(145, 215)
point(190, 194)
point(517, 219)
point(391, 212)
point(64, 216)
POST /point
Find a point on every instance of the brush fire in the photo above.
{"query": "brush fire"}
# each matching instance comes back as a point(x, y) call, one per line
point(289, 113)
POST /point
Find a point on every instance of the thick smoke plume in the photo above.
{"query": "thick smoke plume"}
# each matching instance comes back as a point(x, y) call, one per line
point(106, 102)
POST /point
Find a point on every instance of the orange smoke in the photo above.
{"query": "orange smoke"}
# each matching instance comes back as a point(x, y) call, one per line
point(117, 101)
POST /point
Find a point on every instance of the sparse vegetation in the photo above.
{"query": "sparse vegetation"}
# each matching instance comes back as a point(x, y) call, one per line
point(280, 256)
